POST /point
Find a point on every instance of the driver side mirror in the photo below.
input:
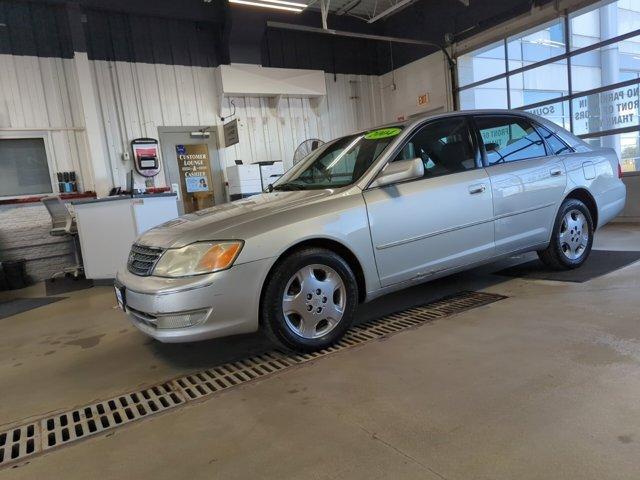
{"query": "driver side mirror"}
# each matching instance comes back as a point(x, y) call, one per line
point(399, 171)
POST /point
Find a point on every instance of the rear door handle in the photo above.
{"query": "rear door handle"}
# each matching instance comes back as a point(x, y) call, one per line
point(478, 188)
point(555, 172)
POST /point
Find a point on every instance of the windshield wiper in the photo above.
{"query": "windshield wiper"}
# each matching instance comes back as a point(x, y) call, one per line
point(288, 187)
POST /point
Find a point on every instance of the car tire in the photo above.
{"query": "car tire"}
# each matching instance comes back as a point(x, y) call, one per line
point(572, 237)
point(304, 296)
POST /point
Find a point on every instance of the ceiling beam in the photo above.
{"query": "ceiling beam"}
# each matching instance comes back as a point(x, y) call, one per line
point(343, 33)
point(324, 12)
point(390, 10)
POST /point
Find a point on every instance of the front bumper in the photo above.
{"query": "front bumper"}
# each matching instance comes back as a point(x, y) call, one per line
point(229, 301)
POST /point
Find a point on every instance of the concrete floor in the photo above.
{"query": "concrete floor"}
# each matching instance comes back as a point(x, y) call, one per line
point(544, 384)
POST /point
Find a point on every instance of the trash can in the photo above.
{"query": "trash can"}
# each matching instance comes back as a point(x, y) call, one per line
point(15, 274)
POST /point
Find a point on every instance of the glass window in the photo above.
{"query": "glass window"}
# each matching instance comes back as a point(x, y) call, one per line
point(444, 147)
point(588, 114)
point(23, 167)
point(338, 163)
point(608, 110)
point(488, 95)
point(480, 64)
point(507, 139)
point(543, 83)
point(557, 112)
point(607, 21)
point(555, 144)
point(605, 66)
point(536, 45)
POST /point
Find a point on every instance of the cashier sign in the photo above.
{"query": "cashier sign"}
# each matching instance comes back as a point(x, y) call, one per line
point(193, 161)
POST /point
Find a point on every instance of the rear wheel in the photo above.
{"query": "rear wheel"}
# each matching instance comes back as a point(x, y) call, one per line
point(309, 300)
point(572, 237)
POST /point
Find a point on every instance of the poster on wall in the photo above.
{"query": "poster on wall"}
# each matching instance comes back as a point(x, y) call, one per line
point(197, 184)
point(194, 166)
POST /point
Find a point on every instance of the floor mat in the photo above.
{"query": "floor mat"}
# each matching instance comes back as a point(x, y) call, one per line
point(599, 263)
point(19, 305)
point(63, 285)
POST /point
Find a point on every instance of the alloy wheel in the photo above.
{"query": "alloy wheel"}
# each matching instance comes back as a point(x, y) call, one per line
point(574, 234)
point(313, 301)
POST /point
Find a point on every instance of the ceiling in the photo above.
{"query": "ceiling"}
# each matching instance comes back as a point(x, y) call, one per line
point(368, 10)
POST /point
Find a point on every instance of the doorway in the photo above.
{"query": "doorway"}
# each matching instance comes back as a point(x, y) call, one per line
point(192, 166)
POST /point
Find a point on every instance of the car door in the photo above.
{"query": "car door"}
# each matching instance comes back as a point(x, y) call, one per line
point(440, 221)
point(527, 185)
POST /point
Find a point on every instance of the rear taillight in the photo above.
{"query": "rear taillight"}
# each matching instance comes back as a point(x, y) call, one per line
point(619, 170)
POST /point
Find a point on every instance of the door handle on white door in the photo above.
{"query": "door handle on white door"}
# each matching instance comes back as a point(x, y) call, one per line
point(556, 172)
point(477, 188)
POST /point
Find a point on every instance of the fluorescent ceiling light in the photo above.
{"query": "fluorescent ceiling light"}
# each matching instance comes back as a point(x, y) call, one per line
point(282, 2)
point(267, 5)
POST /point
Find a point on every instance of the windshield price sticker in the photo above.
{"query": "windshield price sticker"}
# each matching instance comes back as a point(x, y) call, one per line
point(382, 133)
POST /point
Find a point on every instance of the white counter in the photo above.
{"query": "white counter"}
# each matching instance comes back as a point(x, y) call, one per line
point(107, 227)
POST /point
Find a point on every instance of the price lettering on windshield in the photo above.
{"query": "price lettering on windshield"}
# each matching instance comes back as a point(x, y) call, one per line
point(382, 133)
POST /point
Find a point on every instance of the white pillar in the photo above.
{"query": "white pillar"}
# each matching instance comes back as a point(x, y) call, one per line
point(610, 65)
point(96, 155)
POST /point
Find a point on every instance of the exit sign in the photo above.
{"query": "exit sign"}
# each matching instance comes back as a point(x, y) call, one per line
point(423, 99)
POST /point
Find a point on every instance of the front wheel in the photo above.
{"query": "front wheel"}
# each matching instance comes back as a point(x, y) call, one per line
point(572, 237)
point(309, 300)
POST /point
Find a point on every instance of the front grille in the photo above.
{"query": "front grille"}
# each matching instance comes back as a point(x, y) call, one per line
point(142, 259)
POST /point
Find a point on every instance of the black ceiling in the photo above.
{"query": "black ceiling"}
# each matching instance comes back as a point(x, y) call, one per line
point(195, 32)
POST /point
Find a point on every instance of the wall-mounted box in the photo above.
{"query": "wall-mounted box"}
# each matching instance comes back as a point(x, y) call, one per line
point(238, 80)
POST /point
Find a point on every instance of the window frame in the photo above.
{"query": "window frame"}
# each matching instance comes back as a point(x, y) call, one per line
point(411, 133)
point(569, 53)
point(541, 130)
point(391, 155)
point(483, 151)
point(48, 151)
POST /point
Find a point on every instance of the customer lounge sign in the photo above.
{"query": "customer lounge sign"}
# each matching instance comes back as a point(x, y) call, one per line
point(194, 166)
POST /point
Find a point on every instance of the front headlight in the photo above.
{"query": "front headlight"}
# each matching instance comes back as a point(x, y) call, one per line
point(198, 258)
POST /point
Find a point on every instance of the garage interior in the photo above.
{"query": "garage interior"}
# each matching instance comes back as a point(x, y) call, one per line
point(508, 370)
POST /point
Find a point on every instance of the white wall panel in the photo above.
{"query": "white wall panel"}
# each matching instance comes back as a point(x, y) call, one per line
point(134, 99)
point(41, 95)
point(426, 75)
point(138, 98)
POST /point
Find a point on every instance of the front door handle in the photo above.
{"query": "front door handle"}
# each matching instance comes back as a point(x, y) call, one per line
point(555, 172)
point(477, 188)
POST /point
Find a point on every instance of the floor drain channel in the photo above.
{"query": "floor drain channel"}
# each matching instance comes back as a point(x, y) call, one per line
point(19, 442)
point(101, 416)
point(83, 422)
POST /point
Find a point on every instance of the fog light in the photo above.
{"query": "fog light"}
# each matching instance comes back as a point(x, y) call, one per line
point(182, 320)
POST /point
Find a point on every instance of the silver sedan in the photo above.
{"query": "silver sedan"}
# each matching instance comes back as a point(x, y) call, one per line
point(368, 214)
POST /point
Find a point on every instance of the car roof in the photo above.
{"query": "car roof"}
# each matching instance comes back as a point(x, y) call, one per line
point(431, 116)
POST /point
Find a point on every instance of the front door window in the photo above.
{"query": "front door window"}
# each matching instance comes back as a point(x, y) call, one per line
point(444, 146)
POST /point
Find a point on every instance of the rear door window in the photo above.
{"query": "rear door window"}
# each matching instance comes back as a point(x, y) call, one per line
point(555, 144)
point(509, 139)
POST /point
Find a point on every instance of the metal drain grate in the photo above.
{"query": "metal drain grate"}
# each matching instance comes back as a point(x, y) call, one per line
point(19, 442)
point(63, 428)
point(101, 416)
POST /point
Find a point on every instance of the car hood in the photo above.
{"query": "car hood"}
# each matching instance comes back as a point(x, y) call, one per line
point(215, 223)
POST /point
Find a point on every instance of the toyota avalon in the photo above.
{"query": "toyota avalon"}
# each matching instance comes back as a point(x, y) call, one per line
point(368, 214)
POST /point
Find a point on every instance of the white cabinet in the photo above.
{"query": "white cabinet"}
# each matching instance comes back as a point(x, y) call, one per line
point(270, 172)
point(107, 227)
point(244, 180)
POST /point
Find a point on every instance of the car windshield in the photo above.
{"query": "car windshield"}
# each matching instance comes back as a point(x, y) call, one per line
point(338, 163)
